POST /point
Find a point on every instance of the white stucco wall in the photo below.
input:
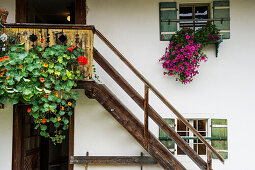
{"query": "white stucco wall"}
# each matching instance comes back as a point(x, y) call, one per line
point(224, 87)
point(6, 124)
point(9, 5)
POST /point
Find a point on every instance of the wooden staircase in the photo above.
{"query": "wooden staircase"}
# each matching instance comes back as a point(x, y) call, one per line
point(138, 129)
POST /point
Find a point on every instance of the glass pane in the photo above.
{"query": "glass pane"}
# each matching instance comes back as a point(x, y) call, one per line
point(201, 12)
point(201, 125)
point(201, 149)
point(186, 13)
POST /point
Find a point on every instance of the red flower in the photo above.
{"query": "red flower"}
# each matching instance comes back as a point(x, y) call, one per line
point(1, 59)
point(82, 60)
point(28, 110)
point(41, 70)
point(42, 39)
point(70, 49)
point(44, 120)
point(73, 46)
point(6, 57)
point(45, 95)
point(42, 79)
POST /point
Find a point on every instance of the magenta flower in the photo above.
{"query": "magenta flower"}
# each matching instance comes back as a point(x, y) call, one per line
point(182, 50)
point(187, 37)
point(171, 42)
point(198, 45)
point(173, 53)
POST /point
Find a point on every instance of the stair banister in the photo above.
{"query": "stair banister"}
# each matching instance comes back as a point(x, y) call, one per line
point(160, 96)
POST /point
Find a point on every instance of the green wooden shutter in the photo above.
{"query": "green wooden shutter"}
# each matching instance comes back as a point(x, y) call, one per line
point(221, 9)
point(220, 134)
point(165, 139)
point(167, 11)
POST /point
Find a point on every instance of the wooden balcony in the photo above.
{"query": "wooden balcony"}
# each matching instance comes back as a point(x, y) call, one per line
point(81, 36)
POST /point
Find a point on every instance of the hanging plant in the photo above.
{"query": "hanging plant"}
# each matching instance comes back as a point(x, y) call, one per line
point(3, 15)
point(184, 54)
point(44, 79)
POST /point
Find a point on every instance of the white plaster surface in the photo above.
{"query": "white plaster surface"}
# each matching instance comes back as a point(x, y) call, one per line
point(6, 124)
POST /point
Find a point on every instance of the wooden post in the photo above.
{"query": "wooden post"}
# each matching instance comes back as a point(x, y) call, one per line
point(209, 160)
point(87, 165)
point(146, 116)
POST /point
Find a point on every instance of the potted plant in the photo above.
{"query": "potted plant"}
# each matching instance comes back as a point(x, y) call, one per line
point(3, 15)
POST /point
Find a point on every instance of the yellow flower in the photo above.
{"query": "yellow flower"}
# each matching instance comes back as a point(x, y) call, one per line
point(62, 108)
point(56, 94)
point(7, 77)
point(59, 118)
point(69, 104)
point(45, 65)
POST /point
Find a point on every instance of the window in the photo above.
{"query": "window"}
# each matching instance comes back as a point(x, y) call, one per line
point(189, 12)
point(170, 21)
point(189, 137)
point(213, 130)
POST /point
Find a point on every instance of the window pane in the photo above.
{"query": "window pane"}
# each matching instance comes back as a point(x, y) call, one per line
point(201, 12)
point(186, 13)
point(201, 125)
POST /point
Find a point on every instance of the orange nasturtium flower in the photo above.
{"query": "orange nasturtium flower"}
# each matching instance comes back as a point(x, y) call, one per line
point(20, 65)
point(1, 59)
point(45, 65)
point(42, 79)
point(7, 77)
point(62, 108)
point(44, 120)
point(56, 94)
point(45, 95)
point(73, 46)
point(1, 74)
point(6, 57)
point(59, 118)
point(69, 104)
point(28, 110)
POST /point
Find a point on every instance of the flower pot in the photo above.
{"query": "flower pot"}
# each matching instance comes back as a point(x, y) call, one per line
point(3, 15)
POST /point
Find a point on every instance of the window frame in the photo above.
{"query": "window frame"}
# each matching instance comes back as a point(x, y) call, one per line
point(191, 134)
point(193, 5)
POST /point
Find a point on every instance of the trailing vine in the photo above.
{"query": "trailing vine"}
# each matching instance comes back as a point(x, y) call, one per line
point(44, 79)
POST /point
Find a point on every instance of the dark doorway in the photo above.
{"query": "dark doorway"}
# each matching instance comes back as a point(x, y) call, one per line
point(51, 11)
point(33, 152)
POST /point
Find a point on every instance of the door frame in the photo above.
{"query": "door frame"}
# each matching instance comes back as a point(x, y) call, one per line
point(21, 17)
point(80, 11)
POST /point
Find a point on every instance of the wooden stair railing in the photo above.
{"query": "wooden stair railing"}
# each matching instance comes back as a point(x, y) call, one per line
point(110, 102)
point(150, 111)
point(159, 120)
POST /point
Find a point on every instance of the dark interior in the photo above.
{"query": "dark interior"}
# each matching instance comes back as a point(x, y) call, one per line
point(51, 11)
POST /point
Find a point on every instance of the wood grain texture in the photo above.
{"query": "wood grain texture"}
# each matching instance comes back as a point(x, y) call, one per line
point(112, 160)
point(159, 95)
point(159, 152)
point(152, 113)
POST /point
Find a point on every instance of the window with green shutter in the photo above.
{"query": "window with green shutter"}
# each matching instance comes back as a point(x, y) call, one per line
point(193, 15)
point(167, 11)
point(221, 10)
point(165, 139)
point(219, 133)
point(218, 136)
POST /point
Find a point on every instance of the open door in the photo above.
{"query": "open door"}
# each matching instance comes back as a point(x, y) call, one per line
point(40, 152)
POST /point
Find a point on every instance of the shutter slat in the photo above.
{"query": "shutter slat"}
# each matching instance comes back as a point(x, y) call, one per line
point(219, 129)
point(169, 143)
point(221, 9)
point(167, 11)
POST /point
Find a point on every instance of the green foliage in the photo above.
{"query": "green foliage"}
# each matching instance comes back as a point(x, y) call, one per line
point(44, 78)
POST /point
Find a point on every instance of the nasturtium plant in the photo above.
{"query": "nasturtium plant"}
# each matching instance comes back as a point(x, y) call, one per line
point(43, 79)
point(184, 54)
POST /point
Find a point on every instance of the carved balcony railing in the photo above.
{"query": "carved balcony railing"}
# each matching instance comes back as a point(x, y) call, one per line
point(46, 35)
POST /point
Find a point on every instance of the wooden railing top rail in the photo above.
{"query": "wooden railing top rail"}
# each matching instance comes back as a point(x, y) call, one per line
point(158, 94)
point(45, 26)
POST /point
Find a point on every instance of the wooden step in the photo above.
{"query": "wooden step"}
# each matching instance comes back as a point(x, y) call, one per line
point(152, 113)
point(158, 151)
